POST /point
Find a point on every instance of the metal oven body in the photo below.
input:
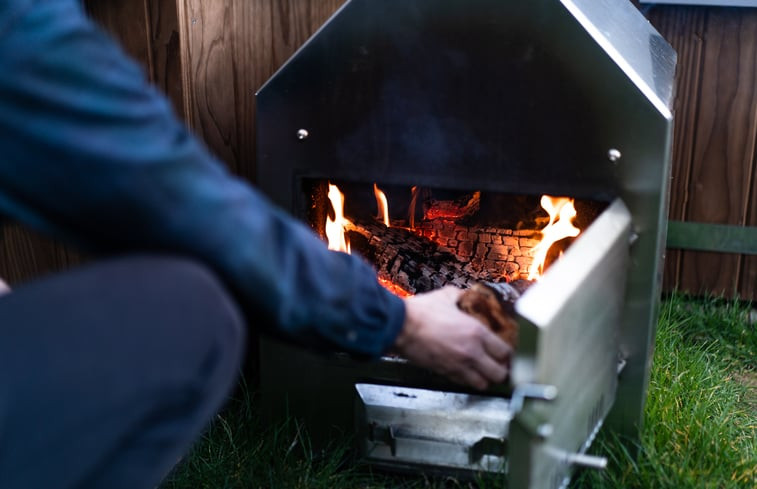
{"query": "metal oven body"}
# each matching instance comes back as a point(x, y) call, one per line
point(566, 97)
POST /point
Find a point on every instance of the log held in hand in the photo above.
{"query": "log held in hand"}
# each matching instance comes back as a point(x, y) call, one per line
point(494, 305)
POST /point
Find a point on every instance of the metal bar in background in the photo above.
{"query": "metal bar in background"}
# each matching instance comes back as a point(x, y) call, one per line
point(712, 237)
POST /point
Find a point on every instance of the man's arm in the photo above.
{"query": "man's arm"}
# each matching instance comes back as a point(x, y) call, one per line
point(92, 153)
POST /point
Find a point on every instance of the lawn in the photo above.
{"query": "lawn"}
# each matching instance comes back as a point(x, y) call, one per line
point(700, 427)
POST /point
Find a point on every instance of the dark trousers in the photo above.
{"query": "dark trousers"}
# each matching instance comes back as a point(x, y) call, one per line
point(109, 372)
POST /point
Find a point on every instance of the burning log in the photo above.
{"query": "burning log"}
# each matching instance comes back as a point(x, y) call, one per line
point(418, 264)
point(414, 263)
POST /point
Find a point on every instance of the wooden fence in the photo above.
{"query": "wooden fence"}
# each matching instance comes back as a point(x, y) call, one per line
point(210, 56)
point(714, 157)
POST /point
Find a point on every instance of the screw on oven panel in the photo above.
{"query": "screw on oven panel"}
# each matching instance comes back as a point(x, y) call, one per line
point(302, 134)
point(614, 155)
point(544, 430)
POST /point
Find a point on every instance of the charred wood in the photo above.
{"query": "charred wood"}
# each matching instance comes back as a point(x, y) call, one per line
point(418, 264)
point(412, 262)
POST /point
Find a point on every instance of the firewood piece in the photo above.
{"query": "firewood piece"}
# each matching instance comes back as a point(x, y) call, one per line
point(493, 304)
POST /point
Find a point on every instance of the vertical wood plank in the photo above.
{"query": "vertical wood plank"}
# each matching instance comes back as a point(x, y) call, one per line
point(165, 54)
point(148, 31)
point(229, 48)
point(127, 22)
point(748, 285)
point(724, 144)
point(215, 66)
point(683, 27)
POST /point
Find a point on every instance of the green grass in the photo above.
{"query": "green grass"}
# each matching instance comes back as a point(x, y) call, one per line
point(238, 451)
point(700, 427)
point(700, 420)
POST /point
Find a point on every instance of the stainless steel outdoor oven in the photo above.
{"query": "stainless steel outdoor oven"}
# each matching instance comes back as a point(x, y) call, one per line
point(504, 100)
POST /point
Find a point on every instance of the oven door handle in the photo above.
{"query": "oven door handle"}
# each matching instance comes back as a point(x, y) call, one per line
point(542, 392)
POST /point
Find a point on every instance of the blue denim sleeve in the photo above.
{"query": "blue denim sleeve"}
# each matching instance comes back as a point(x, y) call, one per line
point(90, 152)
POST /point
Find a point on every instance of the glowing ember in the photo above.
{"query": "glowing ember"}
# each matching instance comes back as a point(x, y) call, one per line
point(561, 214)
point(335, 227)
point(454, 210)
point(383, 207)
point(394, 288)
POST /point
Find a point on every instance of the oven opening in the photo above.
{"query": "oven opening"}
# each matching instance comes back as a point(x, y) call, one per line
point(496, 246)
point(421, 238)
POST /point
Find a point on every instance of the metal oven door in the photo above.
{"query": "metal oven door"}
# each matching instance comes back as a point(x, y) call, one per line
point(568, 344)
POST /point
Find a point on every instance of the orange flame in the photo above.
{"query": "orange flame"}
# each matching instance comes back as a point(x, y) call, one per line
point(561, 214)
point(383, 206)
point(335, 227)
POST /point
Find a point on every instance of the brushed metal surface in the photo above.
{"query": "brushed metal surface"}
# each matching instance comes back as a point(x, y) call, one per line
point(426, 427)
point(636, 47)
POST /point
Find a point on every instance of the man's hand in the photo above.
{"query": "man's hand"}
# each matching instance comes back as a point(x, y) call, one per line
point(439, 336)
